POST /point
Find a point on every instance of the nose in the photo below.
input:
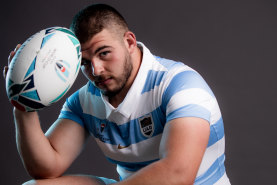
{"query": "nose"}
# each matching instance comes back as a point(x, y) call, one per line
point(97, 67)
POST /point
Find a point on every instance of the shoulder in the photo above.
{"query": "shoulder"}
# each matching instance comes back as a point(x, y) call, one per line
point(87, 90)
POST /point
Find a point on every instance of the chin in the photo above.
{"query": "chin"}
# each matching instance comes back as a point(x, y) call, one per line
point(110, 93)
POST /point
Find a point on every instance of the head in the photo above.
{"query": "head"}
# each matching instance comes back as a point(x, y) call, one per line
point(107, 48)
point(94, 18)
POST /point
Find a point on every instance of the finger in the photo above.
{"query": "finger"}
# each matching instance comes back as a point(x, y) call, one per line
point(12, 53)
point(17, 47)
point(5, 70)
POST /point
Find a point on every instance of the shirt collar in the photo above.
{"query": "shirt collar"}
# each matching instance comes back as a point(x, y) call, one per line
point(126, 107)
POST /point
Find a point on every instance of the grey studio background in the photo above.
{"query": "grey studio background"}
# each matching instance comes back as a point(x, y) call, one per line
point(231, 43)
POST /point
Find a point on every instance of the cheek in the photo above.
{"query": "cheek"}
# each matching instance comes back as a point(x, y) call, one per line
point(117, 62)
point(87, 72)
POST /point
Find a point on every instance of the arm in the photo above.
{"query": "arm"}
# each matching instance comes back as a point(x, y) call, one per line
point(182, 147)
point(47, 155)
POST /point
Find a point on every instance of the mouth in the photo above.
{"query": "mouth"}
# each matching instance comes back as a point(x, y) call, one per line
point(103, 82)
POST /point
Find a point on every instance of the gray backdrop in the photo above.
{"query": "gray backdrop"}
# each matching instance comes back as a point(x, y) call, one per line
point(231, 43)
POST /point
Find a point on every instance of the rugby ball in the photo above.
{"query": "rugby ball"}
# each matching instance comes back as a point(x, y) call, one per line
point(43, 69)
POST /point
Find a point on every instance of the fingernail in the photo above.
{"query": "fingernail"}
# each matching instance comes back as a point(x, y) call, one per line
point(17, 46)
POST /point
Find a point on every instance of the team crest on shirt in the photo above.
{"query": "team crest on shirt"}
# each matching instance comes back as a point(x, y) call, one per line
point(146, 124)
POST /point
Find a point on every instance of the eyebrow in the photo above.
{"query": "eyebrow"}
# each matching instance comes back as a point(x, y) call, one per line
point(101, 48)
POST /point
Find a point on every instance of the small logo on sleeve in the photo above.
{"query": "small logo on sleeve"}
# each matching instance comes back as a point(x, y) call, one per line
point(102, 127)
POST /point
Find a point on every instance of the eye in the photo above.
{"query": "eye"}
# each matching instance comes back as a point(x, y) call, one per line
point(104, 54)
point(85, 62)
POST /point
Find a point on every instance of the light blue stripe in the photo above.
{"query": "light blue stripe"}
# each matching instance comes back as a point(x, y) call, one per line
point(60, 76)
point(73, 103)
point(125, 134)
point(31, 94)
point(213, 174)
point(45, 39)
point(78, 49)
point(78, 65)
point(216, 132)
point(153, 79)
point(71, 116)
point(65, 30)
point(184, 80)
point(93, 90)
point(66, 73)
point(10, 82)
point(31, 68)
point(74, 40)
point(191, 110)
point(135, 166)
point(66, 63)
point(169, 64)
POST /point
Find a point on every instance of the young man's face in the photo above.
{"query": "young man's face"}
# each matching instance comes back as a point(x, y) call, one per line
point(106, 62)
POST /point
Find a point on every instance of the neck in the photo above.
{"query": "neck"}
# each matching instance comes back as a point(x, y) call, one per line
point(136, 58)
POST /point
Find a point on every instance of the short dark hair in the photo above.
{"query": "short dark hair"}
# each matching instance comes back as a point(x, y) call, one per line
point(94, 18)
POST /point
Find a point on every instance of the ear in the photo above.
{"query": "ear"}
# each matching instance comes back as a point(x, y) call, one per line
point(130, 41)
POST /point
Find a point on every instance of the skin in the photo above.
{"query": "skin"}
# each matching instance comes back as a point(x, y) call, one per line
point(111, 61)
point(106, 58)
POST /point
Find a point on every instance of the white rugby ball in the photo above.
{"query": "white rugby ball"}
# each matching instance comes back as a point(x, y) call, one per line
point(43, 69)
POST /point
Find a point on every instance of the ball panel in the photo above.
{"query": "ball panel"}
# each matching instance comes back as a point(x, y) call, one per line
point(24, 57)
point(31, 94)
point(60, 96)
point(30, 103)
point(44, 69)
point(31, 68)
point(45, 39)
point(54, 69)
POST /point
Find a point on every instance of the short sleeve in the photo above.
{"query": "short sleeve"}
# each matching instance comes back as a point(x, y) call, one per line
point(72, 109)
point(188, 95)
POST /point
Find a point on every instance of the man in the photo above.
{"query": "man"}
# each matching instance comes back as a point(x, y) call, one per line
point(155, 118)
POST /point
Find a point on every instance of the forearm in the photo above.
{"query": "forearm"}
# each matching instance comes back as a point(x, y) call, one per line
point(34, 148)
point(182, 148)
point(161, 172)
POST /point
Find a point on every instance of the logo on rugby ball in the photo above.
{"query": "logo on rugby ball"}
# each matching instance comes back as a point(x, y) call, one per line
point(61, 69)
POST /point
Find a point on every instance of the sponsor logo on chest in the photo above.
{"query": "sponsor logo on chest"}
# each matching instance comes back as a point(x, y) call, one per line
point(146, 124)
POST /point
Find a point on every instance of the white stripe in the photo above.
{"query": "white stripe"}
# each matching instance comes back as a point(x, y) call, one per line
point(123, 173)
point(91, 104)
point(134, 96)
point(172, 73)
point(65, 108)
point(153, 99)
point(224, 180)
point(195, 96)
point(210, 156)
point(146, 150)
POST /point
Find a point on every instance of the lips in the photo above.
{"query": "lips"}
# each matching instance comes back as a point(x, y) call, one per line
point(102, 82)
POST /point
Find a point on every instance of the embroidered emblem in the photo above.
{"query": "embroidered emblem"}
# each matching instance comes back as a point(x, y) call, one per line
point(146, 125)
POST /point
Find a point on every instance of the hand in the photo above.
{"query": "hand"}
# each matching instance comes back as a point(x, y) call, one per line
point(6, 68)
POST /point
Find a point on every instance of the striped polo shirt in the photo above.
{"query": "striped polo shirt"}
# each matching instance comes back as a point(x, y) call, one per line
point(130, 134)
